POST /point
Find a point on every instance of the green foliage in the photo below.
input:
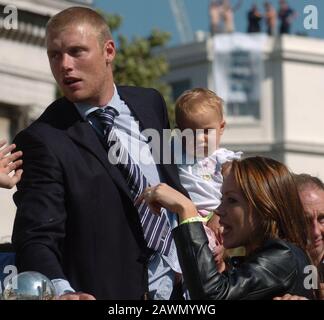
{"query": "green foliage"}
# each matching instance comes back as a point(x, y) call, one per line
point(114, 21)
point(137, 63)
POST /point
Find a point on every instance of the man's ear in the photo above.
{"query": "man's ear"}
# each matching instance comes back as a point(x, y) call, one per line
point(222, 127)
point(110, 51)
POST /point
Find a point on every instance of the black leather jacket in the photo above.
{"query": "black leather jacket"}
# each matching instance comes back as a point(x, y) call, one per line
point(273, 270)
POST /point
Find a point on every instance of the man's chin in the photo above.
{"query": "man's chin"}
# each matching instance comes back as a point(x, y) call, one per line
point(76, 97)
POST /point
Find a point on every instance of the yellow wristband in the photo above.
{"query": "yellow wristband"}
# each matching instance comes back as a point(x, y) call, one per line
point(210, 215)
point(192, 219)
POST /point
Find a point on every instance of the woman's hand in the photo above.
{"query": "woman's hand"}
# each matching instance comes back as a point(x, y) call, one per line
point(164, 196)
point(8, 163)
point(290, 297)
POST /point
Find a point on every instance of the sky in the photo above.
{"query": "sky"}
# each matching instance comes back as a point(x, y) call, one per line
point(141, 16)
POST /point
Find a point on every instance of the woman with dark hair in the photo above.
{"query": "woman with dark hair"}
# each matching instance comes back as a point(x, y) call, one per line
point(261, 211)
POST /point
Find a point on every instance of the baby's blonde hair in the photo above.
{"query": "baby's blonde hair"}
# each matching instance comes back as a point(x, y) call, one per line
point(198, 99)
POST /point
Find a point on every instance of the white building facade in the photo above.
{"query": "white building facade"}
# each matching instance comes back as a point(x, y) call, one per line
point(287, 122)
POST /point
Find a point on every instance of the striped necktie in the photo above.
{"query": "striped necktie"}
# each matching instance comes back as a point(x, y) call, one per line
point(156, 229)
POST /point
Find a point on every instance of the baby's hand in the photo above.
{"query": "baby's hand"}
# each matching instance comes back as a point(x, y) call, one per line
point(219, 250)
point(213, 224)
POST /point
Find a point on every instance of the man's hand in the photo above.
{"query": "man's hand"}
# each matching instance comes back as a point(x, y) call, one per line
point(76, 296)
point(9, 163)
point(290, 297)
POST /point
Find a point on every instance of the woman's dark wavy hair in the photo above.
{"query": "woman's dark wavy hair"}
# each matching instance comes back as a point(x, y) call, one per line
point(271, 191)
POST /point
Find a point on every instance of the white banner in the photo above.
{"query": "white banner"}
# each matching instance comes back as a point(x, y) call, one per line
point(238, 67)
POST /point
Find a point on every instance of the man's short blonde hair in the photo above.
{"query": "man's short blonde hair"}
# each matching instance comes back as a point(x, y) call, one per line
point(74, 16)
point(198, 100)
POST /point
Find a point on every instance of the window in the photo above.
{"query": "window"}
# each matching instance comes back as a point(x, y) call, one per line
point(244, 77)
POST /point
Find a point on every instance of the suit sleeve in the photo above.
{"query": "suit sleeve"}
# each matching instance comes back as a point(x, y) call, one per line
point(166, 122)
point(162, 109)
point(39, 227)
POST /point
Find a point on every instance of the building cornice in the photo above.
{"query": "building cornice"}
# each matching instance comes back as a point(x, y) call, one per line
point(292, 147)
point(44, 7)
point(32, 18)
point(187, 54)
point(302, 147)
point(287, 47)
point(26, 73)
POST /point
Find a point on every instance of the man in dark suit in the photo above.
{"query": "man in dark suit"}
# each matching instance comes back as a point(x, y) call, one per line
point(76, 219)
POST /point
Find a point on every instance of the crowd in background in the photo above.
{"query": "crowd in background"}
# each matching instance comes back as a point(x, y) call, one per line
point(222, 17)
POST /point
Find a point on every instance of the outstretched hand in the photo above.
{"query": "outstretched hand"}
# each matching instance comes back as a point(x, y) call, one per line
point(164, 196)
point(9, 162)
point(76, 296)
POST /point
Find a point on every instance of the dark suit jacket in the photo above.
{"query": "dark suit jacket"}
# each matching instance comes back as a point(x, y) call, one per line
point(75, 218)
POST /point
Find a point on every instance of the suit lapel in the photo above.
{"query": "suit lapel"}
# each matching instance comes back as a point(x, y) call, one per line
point(84, 135)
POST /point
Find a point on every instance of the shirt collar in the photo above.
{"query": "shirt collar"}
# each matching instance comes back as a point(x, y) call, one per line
point(85, 109)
